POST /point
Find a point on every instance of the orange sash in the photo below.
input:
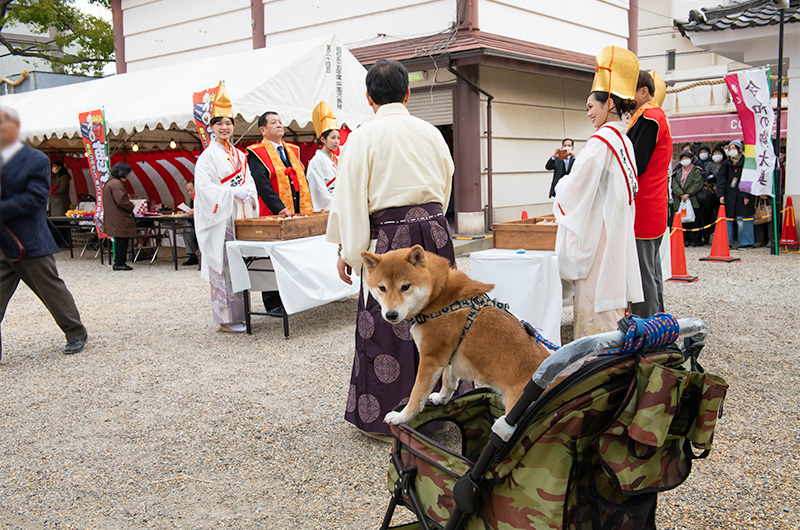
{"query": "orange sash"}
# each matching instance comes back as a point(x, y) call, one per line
point(283, 179)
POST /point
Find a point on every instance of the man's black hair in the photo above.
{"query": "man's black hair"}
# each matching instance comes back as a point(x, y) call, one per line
point(570, 140)
point(645, 79)
point(387, 82)
point(262, 120)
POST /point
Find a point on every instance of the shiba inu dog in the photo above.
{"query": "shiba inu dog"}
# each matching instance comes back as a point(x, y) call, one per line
point(495, 350)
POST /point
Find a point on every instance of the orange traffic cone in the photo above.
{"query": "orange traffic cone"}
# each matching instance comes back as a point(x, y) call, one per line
point(719, 248)
point(789, 231)
point(679, 273)
point(524, 214)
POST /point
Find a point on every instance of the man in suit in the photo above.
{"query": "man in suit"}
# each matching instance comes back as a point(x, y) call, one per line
point(277, 171)
point(560, 163)
point(23, 206)
point(280, 181)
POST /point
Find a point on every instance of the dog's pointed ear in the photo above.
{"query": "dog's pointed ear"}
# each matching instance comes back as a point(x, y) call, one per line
point(417, 255)
point(370, 260)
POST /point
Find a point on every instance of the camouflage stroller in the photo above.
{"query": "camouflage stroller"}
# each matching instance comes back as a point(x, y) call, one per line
point(591, 452)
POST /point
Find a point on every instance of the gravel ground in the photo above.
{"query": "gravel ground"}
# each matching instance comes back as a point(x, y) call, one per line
point(165, 422)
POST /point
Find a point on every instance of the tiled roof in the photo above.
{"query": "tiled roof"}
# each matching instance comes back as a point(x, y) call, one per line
point(737, 15)
point(473, 42)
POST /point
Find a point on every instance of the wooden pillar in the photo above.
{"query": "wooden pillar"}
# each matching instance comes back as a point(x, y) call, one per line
point(257, 18)
point(467, 143)
point(119, 36)
point(633, 26)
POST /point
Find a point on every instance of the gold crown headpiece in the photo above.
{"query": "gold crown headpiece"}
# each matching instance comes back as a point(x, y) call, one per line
point(222, 103)
point(616, 71)
point(323, 118)
point(661, 88)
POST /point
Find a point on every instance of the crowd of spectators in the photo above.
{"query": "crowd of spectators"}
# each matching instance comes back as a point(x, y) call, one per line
point(709, 176)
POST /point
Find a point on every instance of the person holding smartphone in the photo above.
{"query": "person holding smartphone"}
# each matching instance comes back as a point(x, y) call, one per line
point(560, 163)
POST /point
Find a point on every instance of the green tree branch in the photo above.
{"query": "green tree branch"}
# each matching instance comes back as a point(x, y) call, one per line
point(82, 44)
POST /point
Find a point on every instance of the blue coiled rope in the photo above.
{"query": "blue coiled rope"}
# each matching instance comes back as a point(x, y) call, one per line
point(648, 333)
point(642, 333)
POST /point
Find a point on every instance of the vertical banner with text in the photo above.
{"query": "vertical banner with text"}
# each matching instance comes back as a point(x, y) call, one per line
point(93, 132)
point(202, 105)
point(751, 94)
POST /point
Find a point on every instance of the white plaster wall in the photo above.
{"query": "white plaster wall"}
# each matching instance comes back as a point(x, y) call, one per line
point(531, 114)
point(356, 22)
point(582, 26)
point(161, 32)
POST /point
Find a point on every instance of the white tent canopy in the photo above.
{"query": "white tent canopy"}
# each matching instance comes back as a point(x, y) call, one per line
point(157, 103)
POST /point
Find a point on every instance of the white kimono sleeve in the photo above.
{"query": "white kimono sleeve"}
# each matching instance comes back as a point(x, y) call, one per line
point(578, 211)
point(213, 207)
point(348, 221)
point(320, 172)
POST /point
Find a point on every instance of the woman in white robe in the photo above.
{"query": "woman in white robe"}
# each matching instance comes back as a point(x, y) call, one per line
point(594, 207)
point(224, 191)
point(321, 172)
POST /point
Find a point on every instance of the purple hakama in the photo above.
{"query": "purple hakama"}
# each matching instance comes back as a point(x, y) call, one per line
point(386, 358)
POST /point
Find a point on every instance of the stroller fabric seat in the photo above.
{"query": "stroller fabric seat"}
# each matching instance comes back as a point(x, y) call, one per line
point(592, 452)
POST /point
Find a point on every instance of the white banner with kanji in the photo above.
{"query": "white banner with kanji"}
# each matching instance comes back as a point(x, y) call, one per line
point(751, 94)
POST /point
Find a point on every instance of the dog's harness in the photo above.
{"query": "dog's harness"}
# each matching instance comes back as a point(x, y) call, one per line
point(474, 304)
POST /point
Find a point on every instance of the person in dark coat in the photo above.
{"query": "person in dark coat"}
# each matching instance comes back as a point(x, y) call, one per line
point(738, 204)
point(118, 214)
point(560, 163)
point(26, 239)
point(59, 190)
point(687, 180)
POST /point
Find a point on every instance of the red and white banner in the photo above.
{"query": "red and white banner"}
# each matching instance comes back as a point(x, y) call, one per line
point(93, 131)
point(751, 94)
point(202, 105)
point(159, 177)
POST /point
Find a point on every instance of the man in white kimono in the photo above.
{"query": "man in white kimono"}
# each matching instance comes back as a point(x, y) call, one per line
point(224, 191)
point(392, 190)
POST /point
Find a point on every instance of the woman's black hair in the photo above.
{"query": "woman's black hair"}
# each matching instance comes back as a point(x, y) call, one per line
point(324, 136)
point(58, 163)
point(120, 170)
point(622, 105)
point(720, 150)
point(218, 118)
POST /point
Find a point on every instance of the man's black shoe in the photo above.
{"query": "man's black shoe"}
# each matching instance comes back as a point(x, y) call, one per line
point(191, 261)
point(75, 346)
point(122, 268)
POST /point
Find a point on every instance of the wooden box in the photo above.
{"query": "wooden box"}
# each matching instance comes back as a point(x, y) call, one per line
point(526, 234)
point(276, 228)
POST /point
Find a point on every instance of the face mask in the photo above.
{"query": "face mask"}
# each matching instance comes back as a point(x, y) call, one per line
point(54, 170)
point(717, 158)
point(733, 153)
point(685, 162)
point(703, 156)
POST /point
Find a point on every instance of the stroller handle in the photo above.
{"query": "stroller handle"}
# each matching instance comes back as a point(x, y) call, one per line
point(595, 344)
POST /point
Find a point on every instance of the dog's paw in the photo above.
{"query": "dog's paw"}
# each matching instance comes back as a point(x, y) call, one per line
point(437, 398)
point(394, 418)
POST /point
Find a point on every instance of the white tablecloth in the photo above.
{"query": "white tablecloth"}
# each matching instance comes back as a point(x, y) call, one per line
point(529, 283)
point(305, 271)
